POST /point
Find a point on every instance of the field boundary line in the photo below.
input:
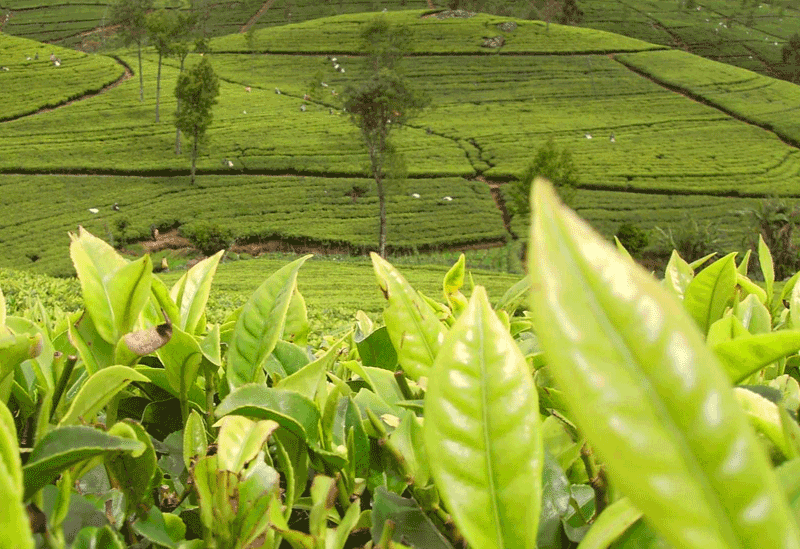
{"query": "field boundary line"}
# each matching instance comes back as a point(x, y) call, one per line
point(786, 139)
point(253, 20)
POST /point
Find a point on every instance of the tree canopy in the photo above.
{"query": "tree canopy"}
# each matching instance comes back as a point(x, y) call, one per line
point(197, 91)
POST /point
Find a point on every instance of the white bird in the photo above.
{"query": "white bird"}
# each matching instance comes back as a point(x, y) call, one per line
point(244, 112)
point(94, 210)
point(415, 195)
point(336, 66)
point(448, 198)
point(333, 60)
point(588, 136)
point(324, 85)
point(342, 69)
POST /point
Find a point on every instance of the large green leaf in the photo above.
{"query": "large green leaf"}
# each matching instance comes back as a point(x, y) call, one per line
point(306, 380)
point(98, 390)
point(709, 292)
point(745, 356)
point(63, 447)
point(95, 261)
point(677, 275)
point(195, 442)
point(648, 394)
point(41, 359)
point(240, 440)
point(15, 349)
point(482, 431)
point(612, 522)
point(410, 521)
point(297, 326)
point(129, 291)
point(133, 475)
point(260, 325)
point(190, 293)
point(415, 331)
point(181, 358)
point(767, 268)
point(14, 525)
point(291, 410)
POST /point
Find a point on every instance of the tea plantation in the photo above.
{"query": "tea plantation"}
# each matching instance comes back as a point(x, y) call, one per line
point(652, 131)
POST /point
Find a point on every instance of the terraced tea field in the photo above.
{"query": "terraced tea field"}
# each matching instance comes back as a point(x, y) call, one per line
point(688, 133)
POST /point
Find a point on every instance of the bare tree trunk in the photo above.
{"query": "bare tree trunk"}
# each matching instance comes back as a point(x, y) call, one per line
point(158, 86)
point(377, 157)
point(194, 154)
point(141, 76)
point(177, 110)
point(382, 202)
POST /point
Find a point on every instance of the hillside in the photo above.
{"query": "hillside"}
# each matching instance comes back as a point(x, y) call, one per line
point(691, 135)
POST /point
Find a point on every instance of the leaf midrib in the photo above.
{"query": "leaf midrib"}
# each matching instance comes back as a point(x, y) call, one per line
point(620, 343)
point(487, 443)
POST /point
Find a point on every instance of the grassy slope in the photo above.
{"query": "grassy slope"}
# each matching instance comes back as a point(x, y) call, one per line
point(489, 112)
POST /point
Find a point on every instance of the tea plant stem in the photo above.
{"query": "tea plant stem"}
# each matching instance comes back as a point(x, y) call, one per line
point(344, 494)
point(62, 381)
point(597, 479)
point(209, 396)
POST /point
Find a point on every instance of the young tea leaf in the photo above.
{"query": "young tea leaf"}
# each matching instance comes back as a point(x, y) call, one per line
point(414, 329)
point(260, 325)
point(648, 394)
point(482, 432)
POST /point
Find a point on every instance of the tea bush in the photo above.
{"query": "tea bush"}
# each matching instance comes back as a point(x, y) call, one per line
point(618, 409)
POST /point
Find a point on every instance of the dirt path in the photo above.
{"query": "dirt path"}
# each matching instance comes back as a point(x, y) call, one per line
point(253, 20)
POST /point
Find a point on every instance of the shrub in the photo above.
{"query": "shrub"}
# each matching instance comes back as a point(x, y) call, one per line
point(633, 238)
point(554, 165)
point(208, 237)
point(775, 220)
point(692, 239)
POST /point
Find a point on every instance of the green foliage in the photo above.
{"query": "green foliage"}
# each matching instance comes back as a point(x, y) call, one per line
point(207, 236)
point(774, 220)
point(790, 55)
point(500, 410)
point(632, 238)
point(197, 90)
point(692, 239)
point(382, 102)
point(552, 163)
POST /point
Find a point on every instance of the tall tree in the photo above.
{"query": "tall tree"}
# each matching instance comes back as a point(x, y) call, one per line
point(380, 103)
point(180, 49)
point(162, 28)
point(131, 16)
point(790, 54)
point(197, 92)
